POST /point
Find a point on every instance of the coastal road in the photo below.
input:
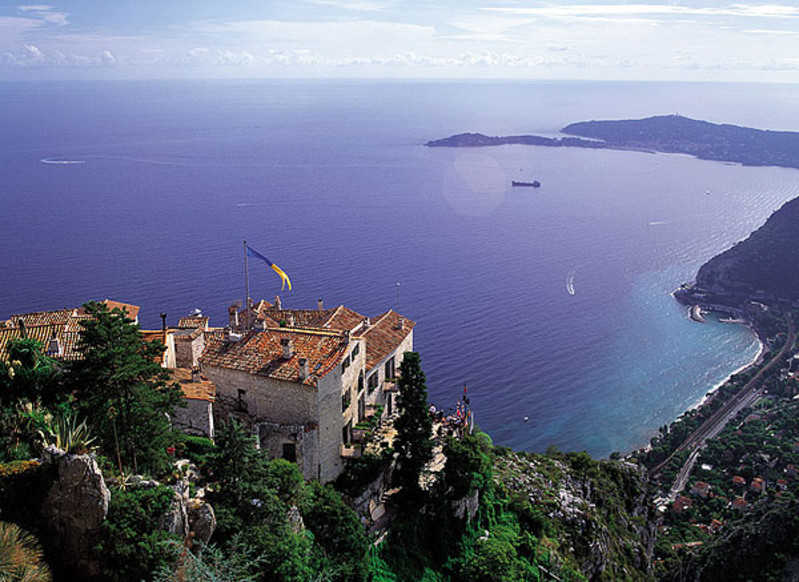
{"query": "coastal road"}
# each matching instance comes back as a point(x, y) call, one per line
point(719, 419)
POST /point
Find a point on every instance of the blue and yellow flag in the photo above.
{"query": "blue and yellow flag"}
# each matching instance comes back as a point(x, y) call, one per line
point(274, 267)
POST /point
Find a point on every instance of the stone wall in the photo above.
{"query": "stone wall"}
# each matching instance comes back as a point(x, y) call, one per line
point(378, 396)
point(332, 419)
point(189, 346)
point(273, 436)
point(197, 418)
point(262, 399)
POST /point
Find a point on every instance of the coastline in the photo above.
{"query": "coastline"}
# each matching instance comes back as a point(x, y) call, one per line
point(758, 359)
point(711, 393)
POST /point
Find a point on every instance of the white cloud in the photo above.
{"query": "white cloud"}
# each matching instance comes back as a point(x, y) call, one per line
point(34, 54)
point(34, 7)
point(647, 10)
point(362, 6)
point(107, 58)
point(45, 13)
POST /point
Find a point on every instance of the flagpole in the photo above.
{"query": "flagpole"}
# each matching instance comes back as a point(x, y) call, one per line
point(246, 287)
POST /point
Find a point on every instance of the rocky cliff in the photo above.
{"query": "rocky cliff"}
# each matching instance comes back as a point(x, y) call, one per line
point(596, 513)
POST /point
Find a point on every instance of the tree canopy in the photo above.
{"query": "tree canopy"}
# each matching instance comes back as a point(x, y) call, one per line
point(123, 390)
point(414, 425)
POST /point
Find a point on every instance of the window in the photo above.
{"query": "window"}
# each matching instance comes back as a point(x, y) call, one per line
point(355, 350)
point(372, 382)
point(361, 409)
point(345, 364)
point(360, 381)
point(240, 404)
point(346, 398)
point(290, 452)
point(390, 369)
point(346, 433)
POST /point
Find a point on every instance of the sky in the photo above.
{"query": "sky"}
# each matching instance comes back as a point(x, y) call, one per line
point(701, 40)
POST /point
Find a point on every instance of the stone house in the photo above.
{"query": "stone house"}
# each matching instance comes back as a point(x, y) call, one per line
point(199, 394)
point(304, 379)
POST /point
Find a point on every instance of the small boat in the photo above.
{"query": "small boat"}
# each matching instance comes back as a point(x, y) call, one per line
point(533, 184)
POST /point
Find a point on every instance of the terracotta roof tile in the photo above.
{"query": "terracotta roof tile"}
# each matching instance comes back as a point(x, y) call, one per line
point(202, 389)
point(345, 318)
point(385, 335)
point(260, 352)
point(131, 310)
point(57, 317)
point(194, 321)
point(42, 333)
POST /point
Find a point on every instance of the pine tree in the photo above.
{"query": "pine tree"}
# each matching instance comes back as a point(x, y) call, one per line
point(414, 425)
point(123, 390)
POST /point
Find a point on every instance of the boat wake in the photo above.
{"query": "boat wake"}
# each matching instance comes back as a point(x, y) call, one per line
point(61, 162)
point(570, 283)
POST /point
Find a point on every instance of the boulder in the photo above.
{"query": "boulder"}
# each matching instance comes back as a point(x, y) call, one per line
point(74, 509)
point(202, 520)
point(176, 518)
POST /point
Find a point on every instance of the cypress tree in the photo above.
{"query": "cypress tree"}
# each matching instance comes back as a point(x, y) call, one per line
point(414, 425)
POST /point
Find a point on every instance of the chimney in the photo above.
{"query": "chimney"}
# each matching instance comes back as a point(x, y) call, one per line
point(230, 335)
point(249, 303)
point(54, 347)
point(286, 344)
point(195, 374)
point(233, 316)
point(278, 303)
point(22, 331)
point(291, 320)
point(163, 322)
point(401, 323)
point(303, 368)
point(347, 335)
point(320, 305)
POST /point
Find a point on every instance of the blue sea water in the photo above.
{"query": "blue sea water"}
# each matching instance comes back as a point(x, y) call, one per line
point(330, 180)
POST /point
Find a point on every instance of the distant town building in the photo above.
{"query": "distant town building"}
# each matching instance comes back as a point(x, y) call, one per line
point(681, 504)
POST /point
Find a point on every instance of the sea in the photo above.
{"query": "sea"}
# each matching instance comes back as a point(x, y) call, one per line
point(551, 305)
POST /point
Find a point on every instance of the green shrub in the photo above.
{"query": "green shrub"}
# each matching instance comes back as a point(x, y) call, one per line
point(197, 449)
point(132, 546)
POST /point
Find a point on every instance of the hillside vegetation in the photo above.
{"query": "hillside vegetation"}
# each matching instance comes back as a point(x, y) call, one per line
point(766, 262)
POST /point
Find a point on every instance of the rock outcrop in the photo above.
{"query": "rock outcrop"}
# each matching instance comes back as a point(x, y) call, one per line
point(600, 509)
point(74, 509)
point(202, 520)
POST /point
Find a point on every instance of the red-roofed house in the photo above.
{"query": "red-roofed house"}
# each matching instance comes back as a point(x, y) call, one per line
point(57, 330)
point(296, 387)
point(681, 504)
point(303, 378)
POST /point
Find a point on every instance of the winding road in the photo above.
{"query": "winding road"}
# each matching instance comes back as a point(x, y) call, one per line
point(719, 419)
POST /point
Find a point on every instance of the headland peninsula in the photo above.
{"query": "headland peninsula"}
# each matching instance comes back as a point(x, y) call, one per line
point(666, 133)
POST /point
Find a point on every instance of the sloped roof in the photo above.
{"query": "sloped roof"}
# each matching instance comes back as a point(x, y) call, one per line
point(344, 318)
point(42, 333)
point(260, 352)
point(57, 317)
point(385, 335)
point(201, 389)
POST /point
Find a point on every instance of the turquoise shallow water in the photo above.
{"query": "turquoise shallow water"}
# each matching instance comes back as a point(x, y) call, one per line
point(330, 181)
